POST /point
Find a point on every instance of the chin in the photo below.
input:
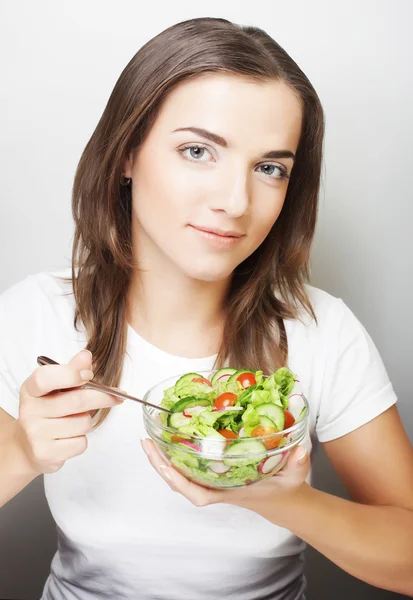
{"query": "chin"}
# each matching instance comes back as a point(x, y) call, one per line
point(209, 273)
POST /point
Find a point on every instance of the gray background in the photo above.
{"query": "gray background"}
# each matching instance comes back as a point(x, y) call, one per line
point(59, 62)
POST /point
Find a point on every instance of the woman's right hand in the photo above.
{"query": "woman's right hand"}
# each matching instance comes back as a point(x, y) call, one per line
point(53, 425)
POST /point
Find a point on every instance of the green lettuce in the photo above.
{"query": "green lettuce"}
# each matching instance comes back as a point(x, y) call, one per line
point(239, 474)
point(230, 420)
point(259, 377)
point(183, 460)
point(168, 400)
point(250, 419)
point(194, 388)
point(259, 397)
point(228, 386)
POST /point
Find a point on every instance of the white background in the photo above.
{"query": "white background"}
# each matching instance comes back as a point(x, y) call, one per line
point(59, 63)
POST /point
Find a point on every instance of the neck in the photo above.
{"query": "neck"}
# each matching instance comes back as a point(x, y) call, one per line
point(180, 315)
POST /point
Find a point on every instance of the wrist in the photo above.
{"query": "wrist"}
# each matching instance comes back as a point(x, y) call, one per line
point(282, 507)
point(21, 463)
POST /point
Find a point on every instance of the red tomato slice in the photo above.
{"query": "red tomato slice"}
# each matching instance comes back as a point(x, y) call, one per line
point(227, 433)
point(225, 399)
point(271, 442)
point(202, 380)
point(289, 419)
point(247, 379)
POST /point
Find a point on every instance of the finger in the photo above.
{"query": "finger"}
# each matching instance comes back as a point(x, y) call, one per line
point(82, 360)
point(49, 378)
point(198, 495)
point(68, 427)
point(75, 402)
point(297, 465)
point(70, 447)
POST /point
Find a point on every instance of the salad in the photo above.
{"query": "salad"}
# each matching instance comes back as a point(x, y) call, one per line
point(228, 430)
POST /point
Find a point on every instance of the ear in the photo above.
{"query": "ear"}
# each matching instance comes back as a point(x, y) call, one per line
point(127, 166)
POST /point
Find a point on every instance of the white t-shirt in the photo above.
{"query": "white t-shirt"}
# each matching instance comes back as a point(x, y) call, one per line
point(122, 533)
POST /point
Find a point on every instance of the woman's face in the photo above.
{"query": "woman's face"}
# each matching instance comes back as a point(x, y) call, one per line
point(217, 159)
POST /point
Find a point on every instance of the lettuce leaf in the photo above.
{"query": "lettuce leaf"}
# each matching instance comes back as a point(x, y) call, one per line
point(239, 474)
point(228, 386)
point(194, 388)
point(250, 419)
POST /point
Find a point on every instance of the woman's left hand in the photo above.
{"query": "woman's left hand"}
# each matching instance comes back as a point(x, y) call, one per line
point(255, 497)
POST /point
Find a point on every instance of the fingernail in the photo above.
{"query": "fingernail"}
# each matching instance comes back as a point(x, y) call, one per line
point(144, 445)
point(165, 472)
point(120, 400)
point(86, 374)
point(302, 456)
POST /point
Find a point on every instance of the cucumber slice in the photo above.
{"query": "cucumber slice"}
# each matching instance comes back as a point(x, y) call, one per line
point(185, 403)
point(266, 422)
point(177, 420)
point(221, 375)
point(186, 379)
point(235, 375)
point(242, 449)
point(273, 412)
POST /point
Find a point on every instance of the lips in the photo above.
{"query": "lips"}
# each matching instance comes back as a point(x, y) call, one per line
point(221, 232)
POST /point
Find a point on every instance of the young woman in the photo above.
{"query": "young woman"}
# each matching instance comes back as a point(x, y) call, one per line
point(195, 204)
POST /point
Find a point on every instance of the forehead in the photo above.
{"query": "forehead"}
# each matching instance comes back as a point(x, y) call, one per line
point(248, 114)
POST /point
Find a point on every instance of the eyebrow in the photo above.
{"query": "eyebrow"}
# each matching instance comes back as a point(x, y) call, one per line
point(217, 139)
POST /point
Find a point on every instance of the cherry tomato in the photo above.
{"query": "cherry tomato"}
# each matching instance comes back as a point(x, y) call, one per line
point(225, 399)
point(202, 380)
point(247, 379)
point(271, 442)
point(289, 419)
point(230, 435)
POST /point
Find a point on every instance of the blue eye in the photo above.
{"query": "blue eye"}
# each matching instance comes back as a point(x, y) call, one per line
point(282, 173)
point(197, 153)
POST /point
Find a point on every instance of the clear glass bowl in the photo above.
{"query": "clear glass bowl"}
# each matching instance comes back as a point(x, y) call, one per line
point(204, 459)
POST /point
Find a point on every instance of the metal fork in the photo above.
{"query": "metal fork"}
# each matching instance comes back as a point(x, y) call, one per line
point(92, 385)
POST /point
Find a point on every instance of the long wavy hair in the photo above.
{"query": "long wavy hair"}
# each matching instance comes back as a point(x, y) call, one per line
point(269, 286)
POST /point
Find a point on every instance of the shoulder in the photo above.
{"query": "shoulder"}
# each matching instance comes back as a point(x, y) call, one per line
point(328, 309)
point(37, 317)
point(37, 293)
point(335, 320)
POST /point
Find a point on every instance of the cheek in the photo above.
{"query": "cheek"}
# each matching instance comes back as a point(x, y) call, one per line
point(156, 194)
point(266, 212)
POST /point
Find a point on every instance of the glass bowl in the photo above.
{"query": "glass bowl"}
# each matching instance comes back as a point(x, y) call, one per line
point(216, 463)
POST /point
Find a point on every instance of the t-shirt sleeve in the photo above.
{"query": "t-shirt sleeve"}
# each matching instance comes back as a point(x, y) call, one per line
point(356, 387)
point(18, 305)
point(9, 391)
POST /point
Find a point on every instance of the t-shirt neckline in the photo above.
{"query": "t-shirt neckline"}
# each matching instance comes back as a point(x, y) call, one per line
point(137, 341)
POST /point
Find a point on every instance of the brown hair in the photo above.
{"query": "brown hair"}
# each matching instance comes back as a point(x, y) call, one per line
point(268, 286)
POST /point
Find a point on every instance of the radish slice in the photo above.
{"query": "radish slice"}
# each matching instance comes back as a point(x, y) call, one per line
point(295, 404)
point(224, 378)
point(270, 463)
point(194, 410)
point(190, 445)
point(218, 467)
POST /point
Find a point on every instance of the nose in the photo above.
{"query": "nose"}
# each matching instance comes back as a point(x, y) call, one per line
point(234, 196)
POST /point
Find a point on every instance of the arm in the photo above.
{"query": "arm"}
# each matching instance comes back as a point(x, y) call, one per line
point(15, 472)
point(371, 537)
